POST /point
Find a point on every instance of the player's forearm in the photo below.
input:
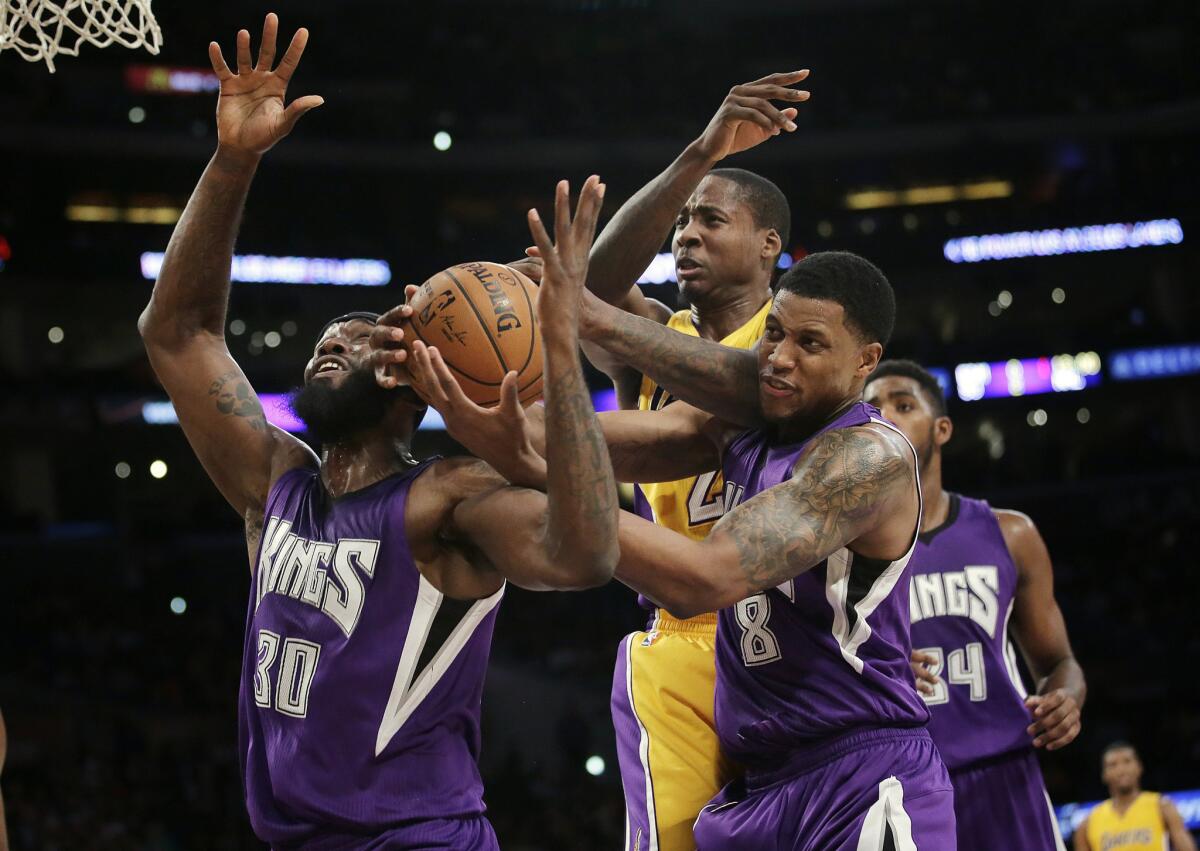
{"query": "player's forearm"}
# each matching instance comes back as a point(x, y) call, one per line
point(718, 379)
point(634, 235)
point(1068, 676)
point(580, 490)
point(192, 290)
point(685, 577)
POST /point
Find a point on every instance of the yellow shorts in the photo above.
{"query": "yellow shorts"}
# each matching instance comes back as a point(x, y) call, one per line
point(662, 707)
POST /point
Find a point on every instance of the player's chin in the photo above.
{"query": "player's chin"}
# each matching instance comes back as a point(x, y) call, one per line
point(778, 409)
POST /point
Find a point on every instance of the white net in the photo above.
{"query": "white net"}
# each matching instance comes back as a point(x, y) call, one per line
point(39, 30)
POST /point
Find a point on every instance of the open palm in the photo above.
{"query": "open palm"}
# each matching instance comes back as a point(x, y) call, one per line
point(251, 115)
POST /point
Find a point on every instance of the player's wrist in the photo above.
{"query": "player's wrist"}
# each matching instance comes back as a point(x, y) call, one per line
point(234, 159)
point(700, 153)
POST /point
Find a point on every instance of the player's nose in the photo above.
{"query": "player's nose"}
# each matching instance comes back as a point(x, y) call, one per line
point(333, 346)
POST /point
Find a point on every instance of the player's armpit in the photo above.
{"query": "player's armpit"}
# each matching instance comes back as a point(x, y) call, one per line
point(224, 421)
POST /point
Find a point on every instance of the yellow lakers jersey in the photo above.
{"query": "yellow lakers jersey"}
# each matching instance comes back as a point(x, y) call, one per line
point(1140, 828)
point(690, 506)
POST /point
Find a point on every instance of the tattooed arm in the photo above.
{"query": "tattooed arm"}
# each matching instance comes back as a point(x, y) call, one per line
point(566, 538)
point(718, 379)
point(183, 325)
point(853, 488)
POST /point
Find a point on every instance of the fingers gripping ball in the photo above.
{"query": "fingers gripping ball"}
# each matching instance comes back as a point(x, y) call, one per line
point(480, 316)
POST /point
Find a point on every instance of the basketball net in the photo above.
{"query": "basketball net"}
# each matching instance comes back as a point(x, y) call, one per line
point(41, 29)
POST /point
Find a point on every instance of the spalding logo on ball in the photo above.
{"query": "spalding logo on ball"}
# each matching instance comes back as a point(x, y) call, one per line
point(480, 316)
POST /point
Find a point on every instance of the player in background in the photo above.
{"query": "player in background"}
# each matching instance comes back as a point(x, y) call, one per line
point(814, 693)
point(374, 578)
point(1131, 820)
point(728, 227)
point(978, 575)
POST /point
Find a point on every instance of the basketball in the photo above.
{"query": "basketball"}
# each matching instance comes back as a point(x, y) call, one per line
point(480, 316)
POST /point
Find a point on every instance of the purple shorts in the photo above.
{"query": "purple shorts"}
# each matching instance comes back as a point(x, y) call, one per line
point(875, 789)
point(425, 835)
point(1001, 803)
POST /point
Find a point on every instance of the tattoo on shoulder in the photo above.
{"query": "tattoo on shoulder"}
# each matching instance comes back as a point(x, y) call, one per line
point(839, 483)
point(234, 396)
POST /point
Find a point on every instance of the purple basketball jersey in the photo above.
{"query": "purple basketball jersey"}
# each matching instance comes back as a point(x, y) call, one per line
point(361, 685)
point(962, 583)
point(825, 652)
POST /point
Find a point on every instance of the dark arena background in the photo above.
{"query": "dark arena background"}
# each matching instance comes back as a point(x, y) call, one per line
point(1026, 173)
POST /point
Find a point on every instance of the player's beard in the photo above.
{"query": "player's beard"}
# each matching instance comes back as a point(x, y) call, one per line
point(336, 413)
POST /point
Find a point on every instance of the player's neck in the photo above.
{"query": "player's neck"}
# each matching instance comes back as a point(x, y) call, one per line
point(800, 428)
point(718, 315)
point(936, 500)
point(1124, 800)
point(363, 460)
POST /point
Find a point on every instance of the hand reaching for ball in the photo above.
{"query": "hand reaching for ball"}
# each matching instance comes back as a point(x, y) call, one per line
point(565, 261)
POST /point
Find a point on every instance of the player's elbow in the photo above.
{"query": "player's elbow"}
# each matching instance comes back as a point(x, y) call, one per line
point(587, 565)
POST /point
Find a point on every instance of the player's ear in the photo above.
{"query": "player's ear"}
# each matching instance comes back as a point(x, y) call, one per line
point(869, 357)
point(943, 430)
point(772, 245)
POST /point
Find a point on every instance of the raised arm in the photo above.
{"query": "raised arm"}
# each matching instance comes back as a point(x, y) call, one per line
point(634, 235)
point(183, 325)
point(565, 538)
point(720, 379)
point(1041, 633)
point(853, 487)
point(746, 118)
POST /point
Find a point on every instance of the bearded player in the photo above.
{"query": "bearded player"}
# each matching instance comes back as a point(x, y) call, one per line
point(806, 569)
point(978, 576)
point(729, 227)
point(374, 578)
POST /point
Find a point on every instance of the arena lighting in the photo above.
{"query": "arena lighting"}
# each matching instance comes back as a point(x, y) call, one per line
point(1077, 240)
point(1156, 362)
point(872, 199)
point(261, 269)
point(1027, 376)
point(167, 80)
point(1071, 816)
point(662, 268)
point(136, 215)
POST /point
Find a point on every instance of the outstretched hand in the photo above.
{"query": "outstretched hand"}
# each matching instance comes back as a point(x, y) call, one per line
point(747, 117)
point(251, 116)
point(565, 261)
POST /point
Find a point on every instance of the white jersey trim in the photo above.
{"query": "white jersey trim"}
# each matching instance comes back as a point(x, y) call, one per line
point(643, 756)
point(406, 694)
point(837, 580)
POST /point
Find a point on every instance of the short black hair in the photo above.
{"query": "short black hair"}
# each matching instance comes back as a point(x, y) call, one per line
point(1119, 745)
point(924, 378)
point(851, 281)
point(766, 201)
